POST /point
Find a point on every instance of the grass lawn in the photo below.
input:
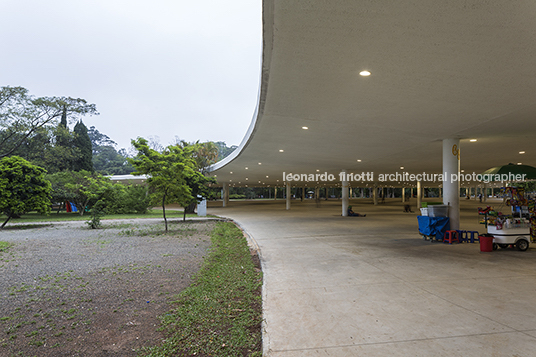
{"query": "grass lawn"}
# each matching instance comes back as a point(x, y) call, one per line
point(220, 314)
point(64, 216)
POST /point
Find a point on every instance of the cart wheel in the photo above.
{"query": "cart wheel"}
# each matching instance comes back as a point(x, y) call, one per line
point(495, 246)
point(522, 245)
point(503, 246)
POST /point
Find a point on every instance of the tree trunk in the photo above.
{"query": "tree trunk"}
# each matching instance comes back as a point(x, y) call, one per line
point(184, 215)
point(8, 218)
point(191, 207)
point(164, 210)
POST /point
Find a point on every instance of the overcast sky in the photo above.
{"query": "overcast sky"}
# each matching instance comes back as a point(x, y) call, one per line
point(161, 68)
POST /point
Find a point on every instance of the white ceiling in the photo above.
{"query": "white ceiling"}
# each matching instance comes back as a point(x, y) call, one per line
point(451, 69)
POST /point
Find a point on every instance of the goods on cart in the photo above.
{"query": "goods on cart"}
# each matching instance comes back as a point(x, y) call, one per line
point(515, 229)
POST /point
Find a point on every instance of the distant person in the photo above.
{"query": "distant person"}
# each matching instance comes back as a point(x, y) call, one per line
point(354, 214)
point(480, 197)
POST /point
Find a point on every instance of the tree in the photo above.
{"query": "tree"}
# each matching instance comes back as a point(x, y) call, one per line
point(23, 188)
point(224, 150)
point(86, 188)
point(60, 194)
point(204, 155)
point(166, 171)
point(106, 159)
point(83, 143)
point(22, 114)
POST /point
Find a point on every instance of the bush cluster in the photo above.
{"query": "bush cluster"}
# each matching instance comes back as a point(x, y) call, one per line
point(121, 199)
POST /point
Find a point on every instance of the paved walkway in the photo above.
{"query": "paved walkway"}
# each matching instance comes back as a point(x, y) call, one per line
point(370, 286)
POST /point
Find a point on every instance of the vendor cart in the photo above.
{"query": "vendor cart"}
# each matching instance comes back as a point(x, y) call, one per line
point(515, 229)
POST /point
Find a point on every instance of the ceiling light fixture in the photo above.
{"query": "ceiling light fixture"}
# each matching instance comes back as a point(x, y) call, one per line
point(305, 127)
point(358, 160)
point(281, 150)
point(472, 140)
point(521, 152)
point(364, 73)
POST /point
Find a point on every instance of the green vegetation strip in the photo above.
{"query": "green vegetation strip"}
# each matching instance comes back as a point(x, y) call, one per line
point(63, 216)
point(220, 314)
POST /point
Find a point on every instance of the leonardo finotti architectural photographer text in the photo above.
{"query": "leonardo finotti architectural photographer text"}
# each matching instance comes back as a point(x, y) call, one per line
point(401, 176)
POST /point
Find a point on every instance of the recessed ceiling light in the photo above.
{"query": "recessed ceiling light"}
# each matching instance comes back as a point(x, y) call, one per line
point(246, 178)
point(521, 152)
point(401, 167)
point(364, 73)
point(317, 170)
point(266, 176)
point(519, 163)
point(462, 170)
point(281, 150)
point(231, 172)
point(246, 168)
point(260, 163)
point(472, 140)
point(305, 127)
point(358, 160)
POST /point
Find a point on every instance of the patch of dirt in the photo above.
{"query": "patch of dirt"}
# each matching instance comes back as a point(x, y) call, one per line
point(109, 312)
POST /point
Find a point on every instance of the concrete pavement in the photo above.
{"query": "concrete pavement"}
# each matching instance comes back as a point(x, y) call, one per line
point(370, 286)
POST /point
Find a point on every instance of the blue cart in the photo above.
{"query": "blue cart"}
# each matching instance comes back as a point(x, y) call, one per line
point(433, 227)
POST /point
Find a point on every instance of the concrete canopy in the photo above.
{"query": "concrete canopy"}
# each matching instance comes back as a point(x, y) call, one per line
point(454, 69)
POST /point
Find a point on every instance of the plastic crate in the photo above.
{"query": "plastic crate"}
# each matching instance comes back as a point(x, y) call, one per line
point(438, 210)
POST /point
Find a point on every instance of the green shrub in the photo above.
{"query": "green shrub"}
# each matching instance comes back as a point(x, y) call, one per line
point(123, 199)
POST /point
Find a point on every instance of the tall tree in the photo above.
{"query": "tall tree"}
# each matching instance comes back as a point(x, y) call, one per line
point(166, 172)
point(224, 150)
point(204, 155)
point(23, 188)
point(83, 143)
point(106, 159)
point(22, 114)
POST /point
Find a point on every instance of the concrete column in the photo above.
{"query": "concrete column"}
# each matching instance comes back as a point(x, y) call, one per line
point(419, 196)
point(375, 195)
point(476, 196)
point(317, 193)
point(288, 195)
point(302, 193)
point(225, 194)
point(451, 188)
point(344, 195)
point(403, 194)
point(275, 193)
point(485, 193)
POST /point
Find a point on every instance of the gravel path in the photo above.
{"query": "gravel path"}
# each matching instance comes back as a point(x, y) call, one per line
point(70, 290)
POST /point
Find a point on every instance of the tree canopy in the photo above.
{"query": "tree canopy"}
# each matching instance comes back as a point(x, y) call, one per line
point(83, 143)
point(173, 174)
point(22, 114)
point(23, 188)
